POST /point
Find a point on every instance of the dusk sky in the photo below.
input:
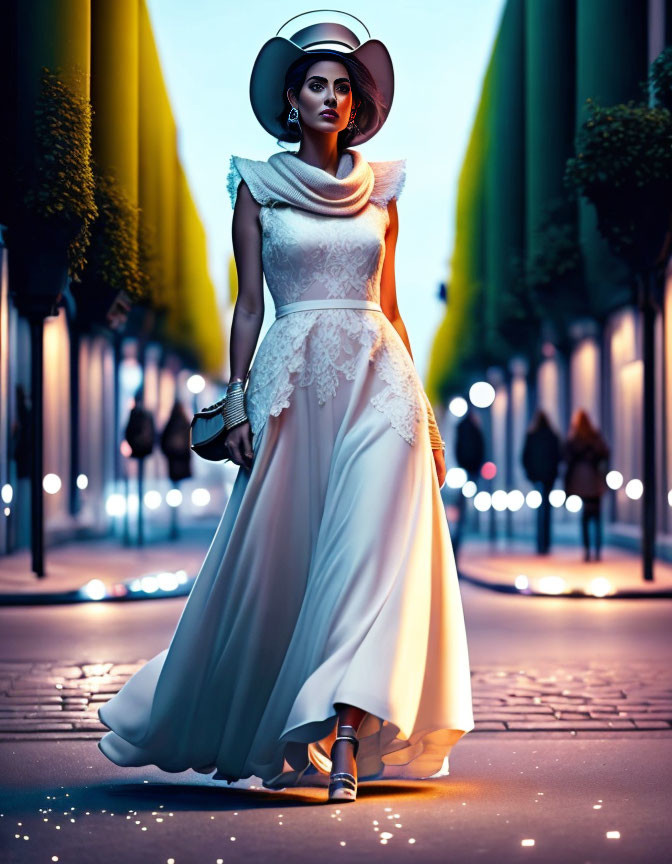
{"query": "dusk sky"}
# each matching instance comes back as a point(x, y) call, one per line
point(439, 49)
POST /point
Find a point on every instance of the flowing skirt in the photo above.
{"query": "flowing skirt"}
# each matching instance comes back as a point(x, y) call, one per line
point(330, 578)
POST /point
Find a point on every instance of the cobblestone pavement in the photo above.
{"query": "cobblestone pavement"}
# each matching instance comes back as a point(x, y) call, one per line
point(46, 701)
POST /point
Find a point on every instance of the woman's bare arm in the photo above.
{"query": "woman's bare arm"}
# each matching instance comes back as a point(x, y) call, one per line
point(388, 286)
point(248, 313)
point(388, 302)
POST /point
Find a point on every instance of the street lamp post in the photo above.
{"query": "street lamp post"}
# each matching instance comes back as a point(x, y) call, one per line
point(39, 270)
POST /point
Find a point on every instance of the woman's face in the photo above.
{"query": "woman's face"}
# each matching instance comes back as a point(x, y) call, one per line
point(327, 87)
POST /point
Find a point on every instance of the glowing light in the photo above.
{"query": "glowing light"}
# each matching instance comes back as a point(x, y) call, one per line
point(634, 489)
point(669, 497)
point(115, 505)
point(7, 493)
point(131, 375)
point(149, 584)
point(482, 394)
point(614, 479)
point(6, 511)
point(527, 842)
point(458, 406)
point(173, 498)
point(488, 470)
point(94, 589)
point(515, 500)
point(469, 489)
point(82, 481)
point(552, 585)
point(167, 581)
point(613, 835)
point(521, 582)
point(533, 499)
point(573, 503)
point(196, 384)
point(125, 448)
point(51, 483)
point(456, 477)
point(482, 501)
point(600, 587)
point(557, 497)
point(200, 497)
point(152, 499)
point(498, 499)
point(181, 576)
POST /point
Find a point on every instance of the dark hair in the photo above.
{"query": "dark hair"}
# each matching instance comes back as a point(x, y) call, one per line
point(365, 94)
point(539, 421)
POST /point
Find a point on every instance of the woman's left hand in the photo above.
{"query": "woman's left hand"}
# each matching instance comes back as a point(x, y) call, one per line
point(440, 462)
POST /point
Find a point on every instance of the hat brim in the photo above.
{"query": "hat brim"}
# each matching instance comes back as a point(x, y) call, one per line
point(277, 55)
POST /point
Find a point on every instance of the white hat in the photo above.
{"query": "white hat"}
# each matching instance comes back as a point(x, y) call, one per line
point(324, 31)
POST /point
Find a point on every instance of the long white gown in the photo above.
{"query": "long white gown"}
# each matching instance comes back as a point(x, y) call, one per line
point(331, 576)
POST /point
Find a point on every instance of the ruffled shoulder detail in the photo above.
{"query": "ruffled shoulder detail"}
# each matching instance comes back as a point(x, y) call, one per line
point(247, 170)
point(389, 179)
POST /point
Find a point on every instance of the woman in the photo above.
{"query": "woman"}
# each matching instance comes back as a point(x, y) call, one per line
point(323, 640)
point(540, 458)
point(586, 453)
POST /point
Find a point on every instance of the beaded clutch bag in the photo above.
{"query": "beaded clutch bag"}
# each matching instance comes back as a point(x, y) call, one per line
point(208, 431)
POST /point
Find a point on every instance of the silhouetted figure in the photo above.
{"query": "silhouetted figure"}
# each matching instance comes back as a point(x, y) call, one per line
point(540, 458)
point(176, 447)
point(175, 444)
point(140, 434)
point(139, 430)
point(586, 453)
point(469, 455)
point(21, 439)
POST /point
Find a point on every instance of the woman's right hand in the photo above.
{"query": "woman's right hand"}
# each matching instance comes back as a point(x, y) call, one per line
point(239, 444)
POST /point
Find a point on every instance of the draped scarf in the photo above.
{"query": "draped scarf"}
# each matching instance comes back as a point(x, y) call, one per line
point(287, 179)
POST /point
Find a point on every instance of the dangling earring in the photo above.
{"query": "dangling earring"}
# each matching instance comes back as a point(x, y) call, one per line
point(293, 117)
point(351, 123)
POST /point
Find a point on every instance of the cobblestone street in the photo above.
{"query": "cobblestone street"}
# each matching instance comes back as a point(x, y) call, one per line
point(45, 700)
point(573, 709)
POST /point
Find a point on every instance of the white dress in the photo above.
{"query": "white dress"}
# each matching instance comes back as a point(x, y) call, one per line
point(331, 576)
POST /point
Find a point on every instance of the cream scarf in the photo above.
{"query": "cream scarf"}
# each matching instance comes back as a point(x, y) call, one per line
point(286, 179)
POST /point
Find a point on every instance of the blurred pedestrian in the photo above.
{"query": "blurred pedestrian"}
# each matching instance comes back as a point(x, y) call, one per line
point(139, 432)
point(175, 445)
point(469, 455)
point(586, 453)
point(541, 458)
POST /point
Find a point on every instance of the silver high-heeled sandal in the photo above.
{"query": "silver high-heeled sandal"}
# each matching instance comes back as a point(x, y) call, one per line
point(343, 785)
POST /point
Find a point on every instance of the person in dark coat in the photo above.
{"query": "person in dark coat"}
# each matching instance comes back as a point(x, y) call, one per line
point(469, 455)
point(586, 453)
point(541, 458)
point(175, 443)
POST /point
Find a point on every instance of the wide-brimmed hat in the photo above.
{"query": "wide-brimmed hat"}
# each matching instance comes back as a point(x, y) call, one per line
point(323, 30)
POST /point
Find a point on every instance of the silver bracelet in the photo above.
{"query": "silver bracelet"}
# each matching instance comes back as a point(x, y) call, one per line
point(235, 412)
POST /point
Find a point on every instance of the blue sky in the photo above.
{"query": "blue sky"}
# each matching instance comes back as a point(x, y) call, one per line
point(440, 51)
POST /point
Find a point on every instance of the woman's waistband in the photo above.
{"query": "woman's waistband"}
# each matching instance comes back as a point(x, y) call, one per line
point(327, 303)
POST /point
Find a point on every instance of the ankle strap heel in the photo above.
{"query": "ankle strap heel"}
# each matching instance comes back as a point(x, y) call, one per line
point(341, 735)
point(342, 785)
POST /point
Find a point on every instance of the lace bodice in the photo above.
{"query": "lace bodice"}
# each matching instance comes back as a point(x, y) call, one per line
point(310, 256)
